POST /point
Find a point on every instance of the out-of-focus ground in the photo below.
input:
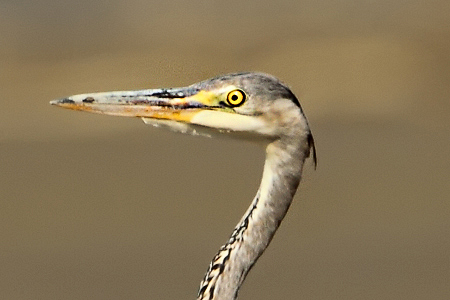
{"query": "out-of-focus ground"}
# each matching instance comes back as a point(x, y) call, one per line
point(95, 207)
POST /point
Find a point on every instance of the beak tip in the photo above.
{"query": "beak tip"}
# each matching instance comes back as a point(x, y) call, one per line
point(62, 101)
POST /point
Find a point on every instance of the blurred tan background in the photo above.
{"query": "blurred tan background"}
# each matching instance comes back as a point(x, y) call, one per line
point(96, 207)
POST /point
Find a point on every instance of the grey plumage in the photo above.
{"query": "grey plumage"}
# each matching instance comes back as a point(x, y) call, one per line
point(256, 84)
point(263, 108)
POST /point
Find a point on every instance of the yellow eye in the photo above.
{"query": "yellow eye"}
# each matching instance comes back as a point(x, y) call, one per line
point(236, 98)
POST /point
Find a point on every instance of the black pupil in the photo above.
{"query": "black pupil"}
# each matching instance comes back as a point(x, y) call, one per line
point(234, 97)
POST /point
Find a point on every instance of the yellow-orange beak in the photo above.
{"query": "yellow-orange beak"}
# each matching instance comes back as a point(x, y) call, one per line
point(173, 104)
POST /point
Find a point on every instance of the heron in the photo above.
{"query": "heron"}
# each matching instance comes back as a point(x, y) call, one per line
point(251, 106)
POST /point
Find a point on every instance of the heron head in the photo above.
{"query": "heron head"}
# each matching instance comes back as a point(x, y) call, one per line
point(249, 105)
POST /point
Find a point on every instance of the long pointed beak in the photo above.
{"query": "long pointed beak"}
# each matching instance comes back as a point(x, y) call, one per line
point(190, 105)
point(179, 104)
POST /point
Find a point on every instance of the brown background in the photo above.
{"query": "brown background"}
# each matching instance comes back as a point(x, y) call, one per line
point(96, 207)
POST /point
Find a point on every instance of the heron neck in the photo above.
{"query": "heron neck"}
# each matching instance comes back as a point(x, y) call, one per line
point(252, 235)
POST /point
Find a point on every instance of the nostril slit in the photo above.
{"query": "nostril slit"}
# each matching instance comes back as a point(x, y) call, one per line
point(88, 100)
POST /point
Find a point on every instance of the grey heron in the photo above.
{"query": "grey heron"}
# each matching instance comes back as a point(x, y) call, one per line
point(253, 106)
